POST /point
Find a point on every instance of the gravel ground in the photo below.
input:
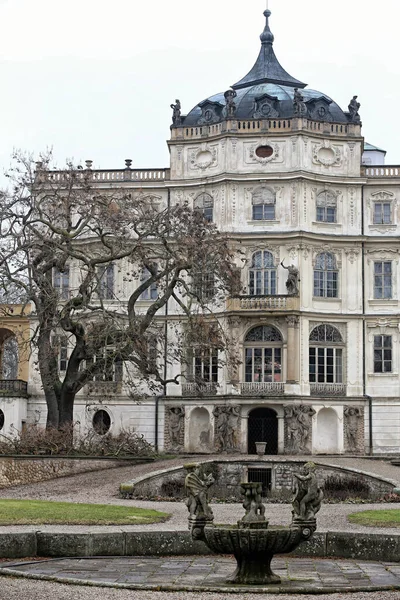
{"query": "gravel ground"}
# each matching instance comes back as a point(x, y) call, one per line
point(24, 589)
point(102, 487)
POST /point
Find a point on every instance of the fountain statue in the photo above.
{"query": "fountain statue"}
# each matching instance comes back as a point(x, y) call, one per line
point(251, 542)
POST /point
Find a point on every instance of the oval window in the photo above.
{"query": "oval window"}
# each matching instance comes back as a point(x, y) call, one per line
point(101, 422)
point(1, 420)
point(264, 151)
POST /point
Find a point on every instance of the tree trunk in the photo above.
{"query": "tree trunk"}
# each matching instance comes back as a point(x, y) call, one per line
point(52, 410)
point(67, 400)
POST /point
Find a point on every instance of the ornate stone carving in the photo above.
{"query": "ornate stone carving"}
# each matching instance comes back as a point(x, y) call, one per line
point(266, 107)
point(292, 284)
point(308, 498)
point(354, 107)
point(230, 96)
point(327, 155)
point(298, 427)
point(293, 321)
point(176, 416)
point(353, 421)
point(176, 113)
point(226, 426)
point(252, 503)
point(204, 157)
point(276, 156)
point(299, 106)
point(200, 513)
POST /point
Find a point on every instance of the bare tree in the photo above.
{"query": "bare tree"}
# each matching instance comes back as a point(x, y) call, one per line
point(63, 243)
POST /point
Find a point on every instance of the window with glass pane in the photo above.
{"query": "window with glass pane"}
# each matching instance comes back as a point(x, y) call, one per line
point(383, 280)
point(151, 292)
point(326, 276)
point(204, 203)
point(105, 276)
point(203, 285)
point(382, 354)
point(111, 365)
point(263, 201)
point(61, 282)
point(325, 361)
point(263, 355)
point(382, 213)
point(262, 279)
point(203, 365)
point(61, 345)
point(326, 207)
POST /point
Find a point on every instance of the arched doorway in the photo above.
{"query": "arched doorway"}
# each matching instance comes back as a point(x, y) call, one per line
point(263, 427)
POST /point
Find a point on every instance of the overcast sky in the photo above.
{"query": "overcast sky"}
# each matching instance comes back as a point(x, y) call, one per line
point(94, 78)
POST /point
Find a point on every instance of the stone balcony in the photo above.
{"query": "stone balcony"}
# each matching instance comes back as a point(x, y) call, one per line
point(104, 388)
point(13, 387)
point(328, 389)
point(262, 389)
point(199, 389)
point(282, 303)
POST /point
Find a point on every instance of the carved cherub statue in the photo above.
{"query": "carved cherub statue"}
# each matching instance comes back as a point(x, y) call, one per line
point(309, 495)
point(197, 489)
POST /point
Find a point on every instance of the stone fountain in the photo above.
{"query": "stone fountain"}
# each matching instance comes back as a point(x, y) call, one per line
point(251, 541)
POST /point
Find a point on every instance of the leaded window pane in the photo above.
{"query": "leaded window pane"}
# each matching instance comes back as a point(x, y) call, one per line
point(204, 203)
point(325, 276)
point(382, 213)
point(383, 280)
point(204, 367)
point(263, 333)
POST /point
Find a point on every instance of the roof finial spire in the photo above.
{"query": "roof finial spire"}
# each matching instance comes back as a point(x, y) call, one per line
point(267, 36)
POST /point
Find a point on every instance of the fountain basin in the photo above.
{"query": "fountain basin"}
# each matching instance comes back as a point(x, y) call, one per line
point(254, 548)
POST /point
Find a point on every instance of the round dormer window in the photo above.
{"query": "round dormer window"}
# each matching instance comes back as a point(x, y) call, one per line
point(264, 151)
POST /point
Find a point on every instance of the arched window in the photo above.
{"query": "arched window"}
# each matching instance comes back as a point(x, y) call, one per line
point(326, 355)
point(263, 201)
point(263, 355)
point(325, 276)
point(326, 207)
point(262, 280)
point(204, 203)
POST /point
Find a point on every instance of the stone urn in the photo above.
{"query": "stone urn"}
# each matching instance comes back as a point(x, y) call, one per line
point(260, 448)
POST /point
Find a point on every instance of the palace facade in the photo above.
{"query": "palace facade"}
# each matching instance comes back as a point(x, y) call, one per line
point(287, 174)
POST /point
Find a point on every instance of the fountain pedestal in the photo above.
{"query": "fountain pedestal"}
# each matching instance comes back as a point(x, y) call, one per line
point(251, 542)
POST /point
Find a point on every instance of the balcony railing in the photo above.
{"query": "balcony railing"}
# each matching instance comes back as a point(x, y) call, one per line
point(262, 389)
point(105, 175)
point(385, 171)
point(104, 388)
point(199, 389)
point(267, 303)
point(328, 389)
point(13, 387)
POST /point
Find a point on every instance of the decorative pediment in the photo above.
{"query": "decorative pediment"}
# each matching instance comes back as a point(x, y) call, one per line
point(382, 195)
point(211, 112)
point(319, 109)
point(266, 107)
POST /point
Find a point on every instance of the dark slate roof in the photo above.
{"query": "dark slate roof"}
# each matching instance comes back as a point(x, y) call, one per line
point(267, 68)
point(247, 96)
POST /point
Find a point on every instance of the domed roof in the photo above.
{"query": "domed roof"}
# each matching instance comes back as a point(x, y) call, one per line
point(266, 92)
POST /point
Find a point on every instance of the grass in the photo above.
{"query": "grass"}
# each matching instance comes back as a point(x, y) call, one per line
point(377, 518)
point(35, 512)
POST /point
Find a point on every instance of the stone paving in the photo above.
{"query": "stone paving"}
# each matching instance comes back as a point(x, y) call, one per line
point(210, 574)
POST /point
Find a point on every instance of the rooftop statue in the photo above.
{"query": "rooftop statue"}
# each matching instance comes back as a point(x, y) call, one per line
point(230, 96)
point(354, 107)
point(299, 106)
point(176, 114)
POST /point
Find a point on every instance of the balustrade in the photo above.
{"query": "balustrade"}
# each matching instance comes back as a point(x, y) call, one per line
point(262, 389)
point(328, 389)
point(267, 303)
point(199, 389)
point(381, 171)
point(13, 387)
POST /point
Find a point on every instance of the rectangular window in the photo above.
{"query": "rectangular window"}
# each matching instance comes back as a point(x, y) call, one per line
point(383, 280)
point(105, 276)
point(326, 214)
point(326, 284)
point(112, 367)
point(150, 293)
point(262, 282)
point(263, 212)
point(203, 285)
point(61, 282)
point(382, 213)
point(263, 365)
point(382, 354)
point(325, 365)
point(204, 365)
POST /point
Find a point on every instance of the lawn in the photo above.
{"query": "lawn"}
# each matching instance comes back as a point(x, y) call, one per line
point(377, 518)
point(35, 512)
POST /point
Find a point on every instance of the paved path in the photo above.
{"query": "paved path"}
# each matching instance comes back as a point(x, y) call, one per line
point(210, 574)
